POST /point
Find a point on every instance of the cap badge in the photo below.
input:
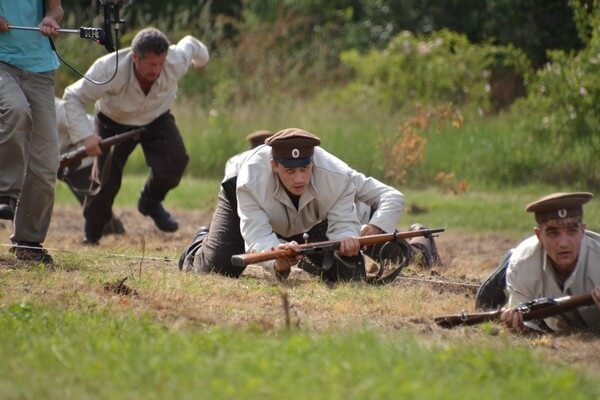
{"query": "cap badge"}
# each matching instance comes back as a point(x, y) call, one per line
point(295, 153)
point(562, 213)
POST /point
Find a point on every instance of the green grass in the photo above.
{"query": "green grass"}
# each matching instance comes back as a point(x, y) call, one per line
point(192, 193)
point(77, 346)
point(486, 211)
point(62, 354)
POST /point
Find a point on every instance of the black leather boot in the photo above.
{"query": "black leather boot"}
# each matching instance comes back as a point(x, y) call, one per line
point(162, 219)
point(7, 207)
point(93, 233)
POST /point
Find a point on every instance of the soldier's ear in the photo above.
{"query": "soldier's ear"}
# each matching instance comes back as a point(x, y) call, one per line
point(538, 233)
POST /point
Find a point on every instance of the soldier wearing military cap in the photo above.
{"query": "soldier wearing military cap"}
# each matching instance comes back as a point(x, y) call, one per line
point(282, 190)
point(561, 259)
point(257, 138)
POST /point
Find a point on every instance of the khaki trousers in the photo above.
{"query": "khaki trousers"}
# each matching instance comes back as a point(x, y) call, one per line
point(29, 154)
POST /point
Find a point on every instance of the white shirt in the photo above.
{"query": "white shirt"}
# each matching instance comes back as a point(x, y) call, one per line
point(372, 194)
point(530, 276)
point(122, 99)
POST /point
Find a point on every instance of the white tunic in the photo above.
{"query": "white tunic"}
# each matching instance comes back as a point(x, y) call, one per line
point(530, 276)
point(122, 99)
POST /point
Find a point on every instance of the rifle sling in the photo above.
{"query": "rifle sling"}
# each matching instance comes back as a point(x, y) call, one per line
point(95, 184)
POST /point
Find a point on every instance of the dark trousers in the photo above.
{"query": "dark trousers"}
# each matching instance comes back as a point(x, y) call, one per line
point(164, 152)
point(492, 292)
point(222, 241)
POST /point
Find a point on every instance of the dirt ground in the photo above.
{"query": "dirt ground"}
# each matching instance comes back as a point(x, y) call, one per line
point(410, 303)
point(465, 256)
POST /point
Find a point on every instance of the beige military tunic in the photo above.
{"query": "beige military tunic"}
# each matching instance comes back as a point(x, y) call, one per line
point(530, 276)
point(371, 194)
point(266, 210)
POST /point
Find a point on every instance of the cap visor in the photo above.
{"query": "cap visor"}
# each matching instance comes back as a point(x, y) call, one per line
point(295, 162)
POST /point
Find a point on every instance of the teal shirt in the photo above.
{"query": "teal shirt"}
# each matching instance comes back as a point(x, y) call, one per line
point(28, 50)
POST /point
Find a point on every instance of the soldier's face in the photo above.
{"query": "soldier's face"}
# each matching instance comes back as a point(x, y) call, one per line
point(295, 180)
point(562, 243)
point(148, 67)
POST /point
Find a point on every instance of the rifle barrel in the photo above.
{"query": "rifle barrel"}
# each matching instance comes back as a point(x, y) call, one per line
point(530, 312)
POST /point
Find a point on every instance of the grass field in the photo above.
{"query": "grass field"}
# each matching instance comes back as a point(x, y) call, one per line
point(72, 333)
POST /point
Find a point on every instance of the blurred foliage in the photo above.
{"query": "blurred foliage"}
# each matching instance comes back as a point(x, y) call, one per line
point(406, 149)
point(299, 40)
point(438, 68)
point(564, 104)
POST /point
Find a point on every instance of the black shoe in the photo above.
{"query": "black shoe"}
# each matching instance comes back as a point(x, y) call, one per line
point(191, 249)
point(162, 219)
point(32, 251)
point(427, 247)
point(89, 242)
point(113, 227)
point(93, 233)
point(7, 207)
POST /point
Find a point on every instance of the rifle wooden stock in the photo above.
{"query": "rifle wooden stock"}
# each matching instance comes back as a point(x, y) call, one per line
point(536, 309)
point(242, 260)
point(75, 156)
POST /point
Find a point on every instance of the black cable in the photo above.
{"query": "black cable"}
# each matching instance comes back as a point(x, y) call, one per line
point(82, 75)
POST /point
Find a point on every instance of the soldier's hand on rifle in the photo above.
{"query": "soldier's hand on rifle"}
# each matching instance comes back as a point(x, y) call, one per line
point(92, 145)
point(283, 264)
point(596, 296)
point(368, 229)
point(349, 246)
point(513, 319)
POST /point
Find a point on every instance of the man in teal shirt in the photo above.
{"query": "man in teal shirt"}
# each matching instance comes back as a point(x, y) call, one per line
point(28, 136)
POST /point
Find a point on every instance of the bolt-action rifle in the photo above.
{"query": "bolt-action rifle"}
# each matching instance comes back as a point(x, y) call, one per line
point(74, 157)
point(242, 260)
point(532, 310)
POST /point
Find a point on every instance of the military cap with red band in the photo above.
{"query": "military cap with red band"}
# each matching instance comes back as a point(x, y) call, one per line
point(293, 147)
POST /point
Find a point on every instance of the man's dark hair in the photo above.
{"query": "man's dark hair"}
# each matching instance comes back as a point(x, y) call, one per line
point(149, 40)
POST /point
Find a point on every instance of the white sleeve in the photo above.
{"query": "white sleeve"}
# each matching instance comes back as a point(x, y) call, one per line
point(81, 93)
point(388, 202)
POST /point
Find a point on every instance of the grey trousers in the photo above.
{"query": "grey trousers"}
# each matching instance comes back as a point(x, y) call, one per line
point(29, 153)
